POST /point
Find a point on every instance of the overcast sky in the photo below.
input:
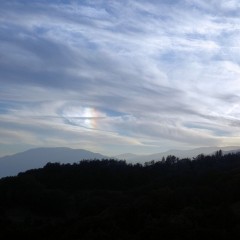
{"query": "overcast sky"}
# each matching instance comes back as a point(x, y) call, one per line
point(108, 76)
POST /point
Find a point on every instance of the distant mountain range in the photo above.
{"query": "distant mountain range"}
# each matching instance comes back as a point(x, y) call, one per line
point(178, 153)
point(38, 157)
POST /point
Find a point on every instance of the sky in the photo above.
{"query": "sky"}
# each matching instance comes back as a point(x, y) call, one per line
point(141, 76)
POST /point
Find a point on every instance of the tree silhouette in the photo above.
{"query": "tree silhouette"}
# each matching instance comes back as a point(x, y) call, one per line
point(108, 199)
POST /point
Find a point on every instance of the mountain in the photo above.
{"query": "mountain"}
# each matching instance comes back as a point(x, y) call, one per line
point(178, 153)
point(232, 151)
point(38, 157)
point(128, 156)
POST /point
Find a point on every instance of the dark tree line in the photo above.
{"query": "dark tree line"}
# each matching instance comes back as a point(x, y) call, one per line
point(108, 199)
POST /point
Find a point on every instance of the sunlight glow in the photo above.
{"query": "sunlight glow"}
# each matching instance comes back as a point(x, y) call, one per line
point(82, 116)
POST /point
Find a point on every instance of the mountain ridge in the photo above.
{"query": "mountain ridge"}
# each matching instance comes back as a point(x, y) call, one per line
point(180, 153)
point(11, 165)
point(38, 157)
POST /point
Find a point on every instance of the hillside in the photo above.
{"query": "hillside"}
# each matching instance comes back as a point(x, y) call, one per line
point(109, 199)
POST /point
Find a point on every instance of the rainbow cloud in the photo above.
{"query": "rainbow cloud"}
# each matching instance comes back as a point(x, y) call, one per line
point(82, 116)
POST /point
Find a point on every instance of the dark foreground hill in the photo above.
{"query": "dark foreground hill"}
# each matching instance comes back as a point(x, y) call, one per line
point(108, 199)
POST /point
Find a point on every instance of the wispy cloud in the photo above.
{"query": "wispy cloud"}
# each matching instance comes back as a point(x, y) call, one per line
point(119, 75)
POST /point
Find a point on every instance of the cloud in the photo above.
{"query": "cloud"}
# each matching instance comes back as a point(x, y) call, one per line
point(140, 74)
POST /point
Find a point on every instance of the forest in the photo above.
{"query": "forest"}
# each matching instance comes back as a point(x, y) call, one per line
point(110, 199)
